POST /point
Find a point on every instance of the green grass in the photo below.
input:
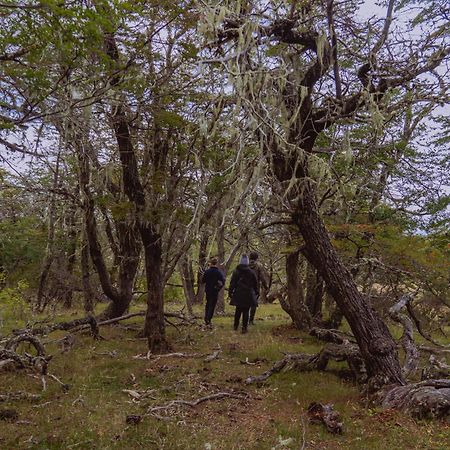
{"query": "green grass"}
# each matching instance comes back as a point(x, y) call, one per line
point(91, 415)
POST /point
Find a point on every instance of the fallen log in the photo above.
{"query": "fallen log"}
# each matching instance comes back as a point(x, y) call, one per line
point(36, 363)
point(87, 322)
point(301, 361)
point(14, 342)
point(91, 322)
point(319, 361)
point(12, 396)
point(325, 414)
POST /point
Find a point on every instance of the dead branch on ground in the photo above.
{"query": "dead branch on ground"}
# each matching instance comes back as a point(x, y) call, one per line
point(325, 414)
point(175, 404)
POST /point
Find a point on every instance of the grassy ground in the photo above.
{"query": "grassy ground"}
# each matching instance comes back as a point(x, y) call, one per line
point(91, 414)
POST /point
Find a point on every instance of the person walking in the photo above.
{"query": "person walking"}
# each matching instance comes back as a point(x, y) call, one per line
point(214, 281)
point(261, 280)
point(243, 291)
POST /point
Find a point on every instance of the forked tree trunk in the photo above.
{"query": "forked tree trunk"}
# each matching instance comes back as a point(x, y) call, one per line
point(375, 342)
point(154, 327)
point(129, 248)
point(295, 294)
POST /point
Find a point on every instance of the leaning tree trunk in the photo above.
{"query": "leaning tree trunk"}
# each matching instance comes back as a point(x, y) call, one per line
point(375, 342)
point(295, 294)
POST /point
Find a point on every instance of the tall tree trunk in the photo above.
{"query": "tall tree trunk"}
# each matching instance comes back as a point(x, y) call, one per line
point(72, 235)
point(187, 278)
point(88, 292)
point(129, 247)
point(314, 292)
point(49, 251)
point(295, 294)
point(201, 266)
point(375, 342)
point(154, 327)
point(220, 307)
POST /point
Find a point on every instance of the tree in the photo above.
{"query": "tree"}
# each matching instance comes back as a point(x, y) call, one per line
point(303, 85)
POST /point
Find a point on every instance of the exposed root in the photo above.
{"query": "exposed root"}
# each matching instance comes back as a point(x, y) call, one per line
point(425, 400)
point(435, 369)
point(334, 336)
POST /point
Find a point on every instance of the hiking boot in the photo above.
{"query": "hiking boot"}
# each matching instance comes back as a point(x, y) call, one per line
point(244, 330)
point(235, 327)
point(251, 322)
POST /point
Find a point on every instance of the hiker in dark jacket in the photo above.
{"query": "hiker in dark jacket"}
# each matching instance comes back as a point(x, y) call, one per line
point(214, 282)
point(261, 279)
point(243, 292)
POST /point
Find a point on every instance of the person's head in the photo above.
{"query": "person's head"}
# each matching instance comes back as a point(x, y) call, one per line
point(253, 256)
point(244, 260)
point(213, 262)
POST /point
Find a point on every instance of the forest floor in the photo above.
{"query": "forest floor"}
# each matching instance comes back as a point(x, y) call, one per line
point(107, 383)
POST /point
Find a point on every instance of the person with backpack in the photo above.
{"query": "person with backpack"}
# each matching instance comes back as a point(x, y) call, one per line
point(214, 281)
point(243, 292)
point(261, 279)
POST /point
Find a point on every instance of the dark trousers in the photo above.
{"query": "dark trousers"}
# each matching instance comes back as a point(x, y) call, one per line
point(211, 301)
point(237, 316)
point(252, 313)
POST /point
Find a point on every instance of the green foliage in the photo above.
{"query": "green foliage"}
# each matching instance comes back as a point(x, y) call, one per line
point(14, 308)
point(22, 245)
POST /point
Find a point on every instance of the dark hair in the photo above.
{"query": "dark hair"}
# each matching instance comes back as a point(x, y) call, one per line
point(253, 256)
point(213, 261)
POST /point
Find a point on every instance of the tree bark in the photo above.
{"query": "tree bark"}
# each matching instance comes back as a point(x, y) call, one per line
point(71, 257)
point(88, 293)
point(201, 267)
point(295, 294)
point(187, 278)
point(49, 251)
point(220, 307)
point(375, 342)
point(314, 292)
